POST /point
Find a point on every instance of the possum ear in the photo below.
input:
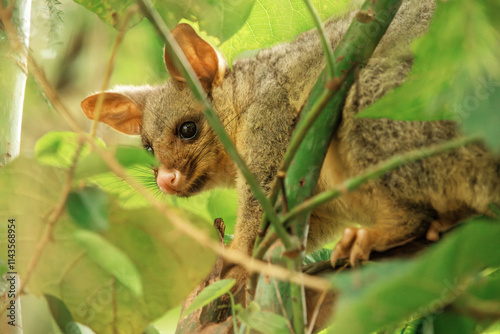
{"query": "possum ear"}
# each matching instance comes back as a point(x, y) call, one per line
point(207, 63)
point(118, 111)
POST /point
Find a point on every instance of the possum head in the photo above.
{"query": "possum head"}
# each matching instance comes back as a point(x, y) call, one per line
point(171, 121)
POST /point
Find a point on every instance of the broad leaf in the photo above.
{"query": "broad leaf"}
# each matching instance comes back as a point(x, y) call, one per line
point(385, 293)
point(448, 322)
point(127, 156)
point(210, 293)
point(59, 148)
point(168, 263)
point(110, 259)
point(218, 18)
point(87, 207)
point(62, 315)
point(111, 12)
point(264, 322)
point(273, 21)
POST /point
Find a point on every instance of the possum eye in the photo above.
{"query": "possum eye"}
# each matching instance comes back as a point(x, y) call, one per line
point(149, 149)
point(188, 130)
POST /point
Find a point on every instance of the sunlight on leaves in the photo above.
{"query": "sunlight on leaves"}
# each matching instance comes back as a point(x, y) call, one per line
point(58, 148)
point(273, 21)
point(91, 275)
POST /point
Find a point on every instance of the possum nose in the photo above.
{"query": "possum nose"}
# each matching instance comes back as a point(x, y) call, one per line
point(168, 180)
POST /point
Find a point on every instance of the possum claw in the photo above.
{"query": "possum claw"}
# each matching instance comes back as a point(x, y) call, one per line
point(355, 244)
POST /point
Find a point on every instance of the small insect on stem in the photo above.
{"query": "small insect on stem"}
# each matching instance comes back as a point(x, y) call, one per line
point(366, 16)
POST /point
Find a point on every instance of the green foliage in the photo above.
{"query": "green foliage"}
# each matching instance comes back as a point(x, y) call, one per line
point(209, 294)
point(273, 21)
point(118, 261)
point(220, 19)
point(94, 272)
point(93, 164)
point(316, 256)
point(87, 207)
point(265, 322)
point(111, 11)
point(239, 26)
point(62, 315)
point(110, 259)
point(456, 74)
point(384, 294)
point(58, 149)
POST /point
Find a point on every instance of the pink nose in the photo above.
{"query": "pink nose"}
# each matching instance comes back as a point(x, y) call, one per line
point(168, 180)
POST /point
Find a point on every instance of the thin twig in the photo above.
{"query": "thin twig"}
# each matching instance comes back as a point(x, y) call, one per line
point(327, 47)
point(233, 312)
point(316, 312)
point(377, 171)
point(198, 91)
point(261, 249)
point(110, 67)
point(298, 300)
point(282, 306)
point(54, 216)
point(281, 181)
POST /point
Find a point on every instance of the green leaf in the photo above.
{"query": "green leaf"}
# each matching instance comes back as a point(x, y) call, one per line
point(87, 207)
point(448, 322)
point(112, 12)
point(111, 259)
point(127, 156)
point(3, 267)
point(62, 315)
point(273, 21)
point(220, 19)
point(413, 327)
point(264, 322)
point(209, 294)
point(168, 263)
point(58, 149)
point(456, 74)
point(486, 118)
point(483, 297)
point(318, 255)
point(383, 294)
point(151, 329)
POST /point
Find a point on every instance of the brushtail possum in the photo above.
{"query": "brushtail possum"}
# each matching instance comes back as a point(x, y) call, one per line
point(259, 103)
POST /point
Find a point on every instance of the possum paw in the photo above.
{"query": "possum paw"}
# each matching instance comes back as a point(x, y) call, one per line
point(438, 226)
point(356, 244)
